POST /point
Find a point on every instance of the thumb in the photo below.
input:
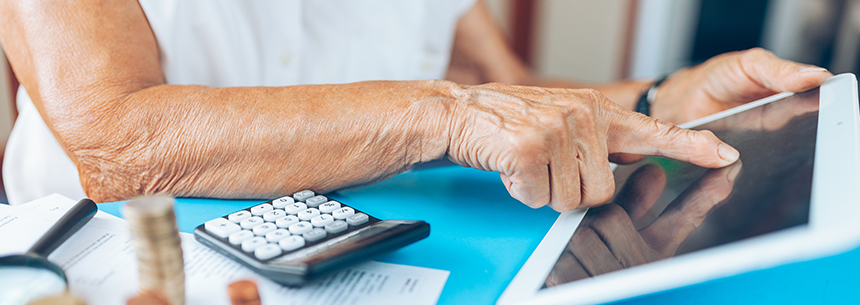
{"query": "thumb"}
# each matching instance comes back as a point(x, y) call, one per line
point(634, 133)
point(779, 75)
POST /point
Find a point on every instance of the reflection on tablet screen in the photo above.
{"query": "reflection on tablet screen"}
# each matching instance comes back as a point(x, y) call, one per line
point(663, 208)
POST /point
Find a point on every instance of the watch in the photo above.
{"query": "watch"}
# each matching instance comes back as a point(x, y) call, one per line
point(643, 106)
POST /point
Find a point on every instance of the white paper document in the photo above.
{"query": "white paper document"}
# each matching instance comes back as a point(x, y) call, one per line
point(102, 268)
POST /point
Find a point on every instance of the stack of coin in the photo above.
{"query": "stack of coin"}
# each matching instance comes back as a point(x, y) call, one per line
point(146, 299)
point(155, 240)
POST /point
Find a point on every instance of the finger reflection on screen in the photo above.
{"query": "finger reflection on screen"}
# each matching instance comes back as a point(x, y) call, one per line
point(607, 239)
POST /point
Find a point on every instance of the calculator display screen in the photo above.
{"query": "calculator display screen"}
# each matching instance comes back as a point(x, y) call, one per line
point(664, 208)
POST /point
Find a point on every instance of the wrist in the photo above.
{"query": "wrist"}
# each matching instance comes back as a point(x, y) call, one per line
point(672, 97)
point(627, 94)
point(648, 96)
point(436, 118)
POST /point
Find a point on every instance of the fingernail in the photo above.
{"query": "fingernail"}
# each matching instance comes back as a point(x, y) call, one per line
point(727, 152)
point(812, 69)
point(733, 173)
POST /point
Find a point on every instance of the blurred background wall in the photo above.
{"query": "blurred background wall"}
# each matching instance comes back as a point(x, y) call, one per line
point(616, 39)
point(606, 40)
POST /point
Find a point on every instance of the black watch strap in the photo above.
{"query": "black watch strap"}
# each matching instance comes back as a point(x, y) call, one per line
point(643, 106)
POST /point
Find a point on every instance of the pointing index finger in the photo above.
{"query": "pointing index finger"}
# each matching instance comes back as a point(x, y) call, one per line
point(635, 133)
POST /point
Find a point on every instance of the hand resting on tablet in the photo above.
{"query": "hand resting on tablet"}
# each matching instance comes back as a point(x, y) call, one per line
point(730, 80)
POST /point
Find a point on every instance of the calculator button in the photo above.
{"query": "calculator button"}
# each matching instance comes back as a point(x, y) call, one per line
point(280, 203)
point(315, 201)
point(357, 219)
point(291, 243)
point(252, 222)
point(253, 243)
point(308, 214)
point(286, 222)
point(301, 227)
point(277, 235)
point(295, 208)
point(322, 220)
point(314, 235)
point(267, 251)
point(271, 216)
point(303, 195)
point(261, 209)
point(221, 227)
point(239, 216)
point(343, 213)
point(264, 228)
point(238, 237)
point(336, 227)
point(330, 206)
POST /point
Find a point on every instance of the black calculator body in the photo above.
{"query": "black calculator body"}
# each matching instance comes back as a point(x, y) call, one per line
point(294, 238)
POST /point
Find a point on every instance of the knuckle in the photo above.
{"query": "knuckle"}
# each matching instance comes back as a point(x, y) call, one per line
point(695, 143)
point(606, 192)
point(534, 204)
point(598, 99)
point(758, 51)
point(571, 201)
point(705, 135)
point(755, 55)
point(581, 110)
point(579, 107)
point(566, 207)
point(532, 198)
point(661, 131)
point(600, 194)
point(581, 115)
point(700, 140)
point(531, 142)
point(556, 119)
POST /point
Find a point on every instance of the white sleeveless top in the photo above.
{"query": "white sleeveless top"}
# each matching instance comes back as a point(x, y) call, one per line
point(256, 43)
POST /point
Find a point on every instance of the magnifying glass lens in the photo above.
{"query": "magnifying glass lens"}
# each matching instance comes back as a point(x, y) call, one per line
point(20, 285)
point(29, 277)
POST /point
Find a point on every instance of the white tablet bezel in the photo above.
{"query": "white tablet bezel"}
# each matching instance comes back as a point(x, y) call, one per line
point(832, 227)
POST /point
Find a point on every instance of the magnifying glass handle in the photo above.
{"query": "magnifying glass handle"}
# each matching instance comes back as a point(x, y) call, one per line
point(70, 223)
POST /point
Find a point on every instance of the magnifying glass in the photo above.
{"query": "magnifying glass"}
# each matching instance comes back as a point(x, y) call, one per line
point(30, 276)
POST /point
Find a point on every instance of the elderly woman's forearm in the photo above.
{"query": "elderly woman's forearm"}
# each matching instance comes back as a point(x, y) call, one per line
point(253, 142)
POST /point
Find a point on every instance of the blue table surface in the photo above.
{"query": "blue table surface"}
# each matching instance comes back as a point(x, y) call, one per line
point(483, 236)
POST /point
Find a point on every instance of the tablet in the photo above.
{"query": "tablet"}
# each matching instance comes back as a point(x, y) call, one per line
point(792, 196)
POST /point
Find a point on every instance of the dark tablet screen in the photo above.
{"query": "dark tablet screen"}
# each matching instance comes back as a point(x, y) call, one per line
point(664, 208)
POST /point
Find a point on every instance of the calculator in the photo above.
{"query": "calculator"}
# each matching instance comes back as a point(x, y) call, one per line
point(294, 238)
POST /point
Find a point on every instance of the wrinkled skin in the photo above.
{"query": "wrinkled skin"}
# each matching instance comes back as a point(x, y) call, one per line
point(552, 145)
point(92, 70)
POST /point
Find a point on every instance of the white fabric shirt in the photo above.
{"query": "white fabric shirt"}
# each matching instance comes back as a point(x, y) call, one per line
point(256, 43)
